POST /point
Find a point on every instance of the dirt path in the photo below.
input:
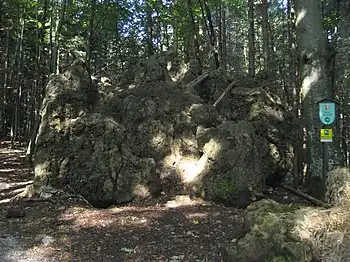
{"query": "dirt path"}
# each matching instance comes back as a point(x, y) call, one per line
point(67, 229)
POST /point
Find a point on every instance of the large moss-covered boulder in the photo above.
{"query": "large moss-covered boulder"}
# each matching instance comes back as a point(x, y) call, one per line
point(113, 143)
point(277, 232)
point(86, 151)
point(95, 161)
point(236, 157)
point(271, 120)
point(272, 235)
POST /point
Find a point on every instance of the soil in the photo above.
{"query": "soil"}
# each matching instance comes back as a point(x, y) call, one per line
point(66, 228)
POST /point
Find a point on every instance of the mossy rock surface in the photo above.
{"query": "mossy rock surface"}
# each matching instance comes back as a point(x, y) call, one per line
point(238, 154)
point(157, 135)
point(271, 236)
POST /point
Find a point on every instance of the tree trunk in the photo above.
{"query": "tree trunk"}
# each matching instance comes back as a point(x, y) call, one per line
point(192, 33)
point(212, 35)
point(315, 82)
point(39, 90)
point(4, 116)
point(90, 41)
point(149, 28)
point(265, 34)
point(251, 41)
point(57, 33)
point(224, 42)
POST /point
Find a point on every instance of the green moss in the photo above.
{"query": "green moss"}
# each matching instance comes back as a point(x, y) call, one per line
point(271, 235)
point(223, 187)
point(255, 111)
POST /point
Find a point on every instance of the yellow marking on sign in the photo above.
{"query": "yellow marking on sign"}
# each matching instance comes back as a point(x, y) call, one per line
point(326, 135)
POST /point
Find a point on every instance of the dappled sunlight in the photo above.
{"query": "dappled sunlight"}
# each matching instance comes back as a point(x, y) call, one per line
point(122, 216)
point(201, 215)
point(309, 80)
point(300, 17)
point(141, 191)
point(183, 201)
point(4, 201)
point(7, 170)
point(158, 140)
point(177, 75)
point(191, 169)
point(131, 86)
point(36, 253)
point(5, 150)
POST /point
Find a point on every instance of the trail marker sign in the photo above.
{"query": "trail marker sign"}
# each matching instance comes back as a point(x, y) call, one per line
point(326, 135)
point(327, 111)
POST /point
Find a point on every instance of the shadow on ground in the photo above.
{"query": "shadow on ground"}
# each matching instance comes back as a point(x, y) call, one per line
point(15, 174)
point(136, 232)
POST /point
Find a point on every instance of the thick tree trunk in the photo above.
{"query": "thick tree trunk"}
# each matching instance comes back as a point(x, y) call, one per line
point(315, 82)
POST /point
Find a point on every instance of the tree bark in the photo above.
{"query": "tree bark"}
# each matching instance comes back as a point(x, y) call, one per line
point(149, 28)
point(315, 82)
point(224, 42)
point(90, 42)
point(58, 29)
point(251, 38)
point(265, 34)
point(193, 33)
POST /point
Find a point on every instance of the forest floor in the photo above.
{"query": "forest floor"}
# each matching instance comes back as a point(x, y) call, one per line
point(66, 228)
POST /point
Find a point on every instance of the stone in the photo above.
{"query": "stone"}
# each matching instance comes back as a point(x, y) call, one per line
point(131, 142)
point(271, 235)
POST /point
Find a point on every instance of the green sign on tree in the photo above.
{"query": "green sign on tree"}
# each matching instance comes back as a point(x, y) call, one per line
point(327, 111)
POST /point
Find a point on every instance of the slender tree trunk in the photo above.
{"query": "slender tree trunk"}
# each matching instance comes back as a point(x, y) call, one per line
point(251, 38)
point(15, 110)
point(295, 96)
point(265, 34)
point(90, 41)
point(224, 42)
point(39, 90)
point(58, 29)
point(4, 98)
point(192, 33)
point(212, 35)
point(149, 27)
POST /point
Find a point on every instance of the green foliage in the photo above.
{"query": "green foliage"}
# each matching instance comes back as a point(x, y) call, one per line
point(331, 21)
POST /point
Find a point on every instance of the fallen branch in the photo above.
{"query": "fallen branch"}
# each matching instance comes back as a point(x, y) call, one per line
point(224, 93)
point(307, 197)
point(197, 80)
point(78, 196)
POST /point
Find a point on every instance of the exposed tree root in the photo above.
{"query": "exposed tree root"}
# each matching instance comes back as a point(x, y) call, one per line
point(29, 192)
